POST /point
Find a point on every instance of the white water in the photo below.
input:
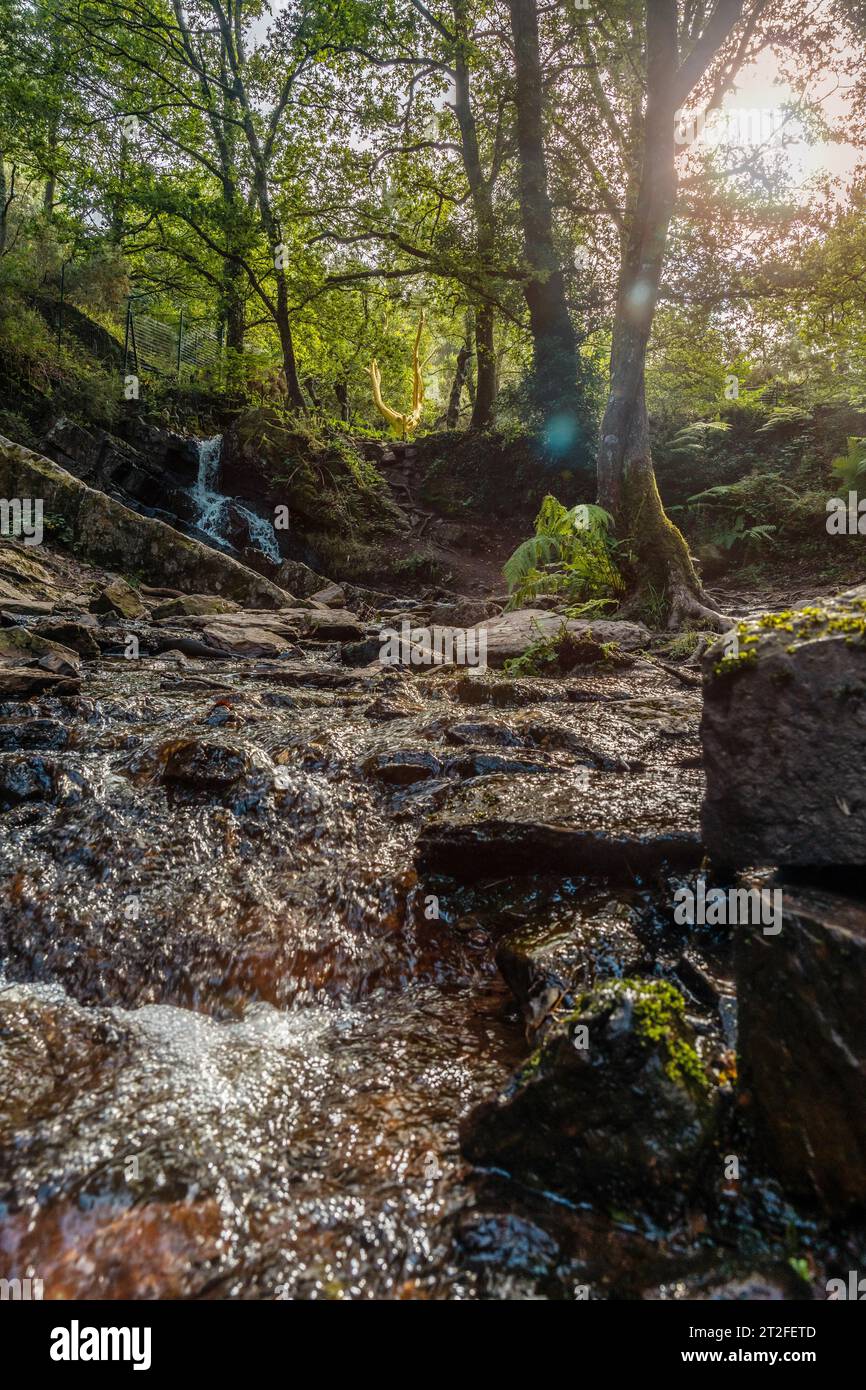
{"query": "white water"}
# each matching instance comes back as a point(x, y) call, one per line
point(212, 506)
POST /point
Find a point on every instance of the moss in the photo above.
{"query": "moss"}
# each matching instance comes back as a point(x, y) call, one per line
point(659, 1010)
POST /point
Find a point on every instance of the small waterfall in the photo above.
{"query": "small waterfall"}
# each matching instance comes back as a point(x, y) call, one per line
point(212, 507)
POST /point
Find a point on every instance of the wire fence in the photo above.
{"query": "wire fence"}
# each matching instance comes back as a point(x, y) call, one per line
point(151, 345)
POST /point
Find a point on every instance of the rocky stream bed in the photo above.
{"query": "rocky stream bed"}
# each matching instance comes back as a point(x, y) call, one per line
point(300, 954)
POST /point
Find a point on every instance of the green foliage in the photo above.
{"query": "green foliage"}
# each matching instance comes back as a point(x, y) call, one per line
point(850, 469)
point(571, 554)
point(562, 651)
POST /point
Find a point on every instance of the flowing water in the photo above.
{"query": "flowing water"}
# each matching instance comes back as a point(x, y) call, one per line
point(212, 506)
point(239, 1026)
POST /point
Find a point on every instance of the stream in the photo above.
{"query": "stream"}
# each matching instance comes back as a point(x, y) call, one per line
point(242, 1017)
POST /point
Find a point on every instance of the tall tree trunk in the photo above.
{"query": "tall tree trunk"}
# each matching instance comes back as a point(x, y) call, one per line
point(6, 196)
point(485, 378)
point(626, 480)
point(554, 342)
point(461, 371)
point(485, 220)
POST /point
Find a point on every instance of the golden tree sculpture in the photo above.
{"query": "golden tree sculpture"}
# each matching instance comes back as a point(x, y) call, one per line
point(406, 423)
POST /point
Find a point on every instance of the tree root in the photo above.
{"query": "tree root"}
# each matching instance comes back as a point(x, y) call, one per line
point(689, 602)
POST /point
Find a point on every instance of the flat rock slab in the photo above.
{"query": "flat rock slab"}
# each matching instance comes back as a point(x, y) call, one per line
point(328, 624)
point(20, 682)
point(784, 735)
point(510, 634)
point(584, 822)
point(249, 640)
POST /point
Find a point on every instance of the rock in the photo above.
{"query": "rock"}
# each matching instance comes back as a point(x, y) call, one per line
point(250, 640)
point(712, 560)
point(464, 613)
point(615, 825)
point(783, 729)
point(332, 596)
point(400, 767)
point(110, 534)
point(205, 765)
point(543, 965)
point(334, 624)
point(510, 634)
point(20, 683)
point(118, 598)
point(19, 646)
point(362, 653)
point(34, 778)
point(77, 636)
point(193, 606)
point(802, 1044)
point(25, 607)
point(613, 1105)
point(33, 733)
point(59, 665)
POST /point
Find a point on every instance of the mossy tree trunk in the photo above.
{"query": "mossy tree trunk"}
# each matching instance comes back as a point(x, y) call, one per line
point(626, 480)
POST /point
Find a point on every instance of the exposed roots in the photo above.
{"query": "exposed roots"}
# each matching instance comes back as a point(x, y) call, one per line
point(689, 603)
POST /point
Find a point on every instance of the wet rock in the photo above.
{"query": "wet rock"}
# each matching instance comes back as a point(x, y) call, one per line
point(545, 966)
point(510, 634)
point(118, 598)
point(783, 728)
point(400, 767)
point(77, 636)
point(608, 824)
point(33, 733)
point(34, 778)
point(479, 763)
point(506, 1241)
point(22, 682)
point(194, 606)
point(613, 1105)
point(205, 765)
point(464, 731)
point(362, 653)
point(802, 1044)
point(332, 596)
point(398, 701)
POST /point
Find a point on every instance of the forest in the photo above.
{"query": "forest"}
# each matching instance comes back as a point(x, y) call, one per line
point(432, 652)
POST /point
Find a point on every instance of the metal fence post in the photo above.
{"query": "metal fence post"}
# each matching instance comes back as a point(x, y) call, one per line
point(179, 342)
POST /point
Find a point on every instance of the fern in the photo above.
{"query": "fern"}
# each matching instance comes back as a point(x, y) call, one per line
point(851, 469)
point(571, 554)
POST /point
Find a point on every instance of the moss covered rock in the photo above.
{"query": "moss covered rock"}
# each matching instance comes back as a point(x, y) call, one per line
point(784, 732)
point(614, 1105)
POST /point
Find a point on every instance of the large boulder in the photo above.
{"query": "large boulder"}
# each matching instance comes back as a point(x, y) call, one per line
point(784, 734)
point(802, 1045)
point(615, 1104)
point(110, 534)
